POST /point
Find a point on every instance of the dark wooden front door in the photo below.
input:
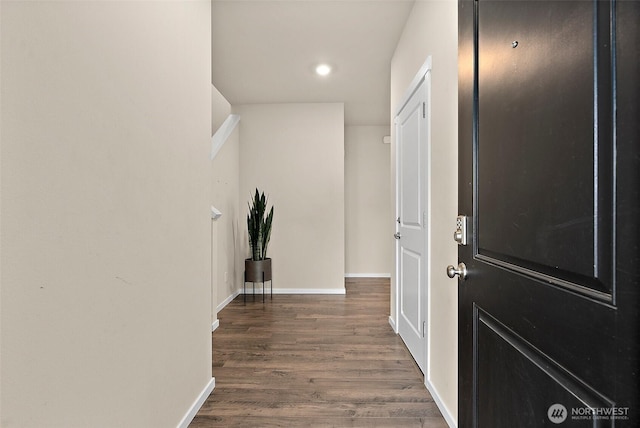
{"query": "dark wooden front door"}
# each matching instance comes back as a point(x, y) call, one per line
point(549, 142)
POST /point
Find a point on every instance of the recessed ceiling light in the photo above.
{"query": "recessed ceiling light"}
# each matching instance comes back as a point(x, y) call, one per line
point(323, 69)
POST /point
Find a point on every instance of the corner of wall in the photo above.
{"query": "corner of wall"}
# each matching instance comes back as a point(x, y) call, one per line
point(225, 177)
point(290, 151)
point(121, 250)
point(431, 30)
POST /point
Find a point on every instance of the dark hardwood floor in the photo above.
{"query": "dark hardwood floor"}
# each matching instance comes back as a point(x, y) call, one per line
point(315, 361)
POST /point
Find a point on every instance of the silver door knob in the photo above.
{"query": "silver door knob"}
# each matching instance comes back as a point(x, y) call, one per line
point(397, 235)
point(461, 271)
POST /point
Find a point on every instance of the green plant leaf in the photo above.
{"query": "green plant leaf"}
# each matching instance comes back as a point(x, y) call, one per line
point(266, 233)
point(259, 226)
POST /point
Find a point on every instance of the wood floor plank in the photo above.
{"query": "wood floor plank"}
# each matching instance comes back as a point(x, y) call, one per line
point(315, 361)
point(268, 422)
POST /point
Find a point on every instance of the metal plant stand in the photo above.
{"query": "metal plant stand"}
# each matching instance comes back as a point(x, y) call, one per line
point(257, 271)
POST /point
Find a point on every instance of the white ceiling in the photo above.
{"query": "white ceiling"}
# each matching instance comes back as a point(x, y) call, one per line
point(265, 51)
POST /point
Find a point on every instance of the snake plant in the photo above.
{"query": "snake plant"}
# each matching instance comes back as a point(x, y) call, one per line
point(259, 226)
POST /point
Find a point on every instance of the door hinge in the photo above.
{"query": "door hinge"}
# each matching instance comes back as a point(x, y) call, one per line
point(424, 328)
point(424, 110)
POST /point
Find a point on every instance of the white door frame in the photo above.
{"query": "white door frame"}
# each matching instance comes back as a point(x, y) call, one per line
point(423, 74)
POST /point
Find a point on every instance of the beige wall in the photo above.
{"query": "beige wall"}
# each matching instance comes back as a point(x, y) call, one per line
point(432, 30)
point(228, 259)
point(368, 217)
point(295, 154)
point(106, 128)
point(1, 241)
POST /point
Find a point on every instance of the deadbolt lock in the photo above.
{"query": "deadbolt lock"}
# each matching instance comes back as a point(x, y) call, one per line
point(460, 234)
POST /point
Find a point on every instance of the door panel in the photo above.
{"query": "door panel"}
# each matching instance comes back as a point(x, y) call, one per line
point(522, 366)
point(411, 142)
point(410, 292)
point(522, 225)
point(549, 147)
point(411, 187)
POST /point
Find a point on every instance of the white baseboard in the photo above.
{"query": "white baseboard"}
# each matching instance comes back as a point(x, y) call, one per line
point(296, 290)
point(238, 292)
point(367, 275)
point(309, 291)
point(193, 410)
point(228, 300)
point(215, 325)
point(448, 417)
point(393, 325)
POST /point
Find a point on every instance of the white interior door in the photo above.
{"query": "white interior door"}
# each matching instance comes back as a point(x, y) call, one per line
point(412, 150)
